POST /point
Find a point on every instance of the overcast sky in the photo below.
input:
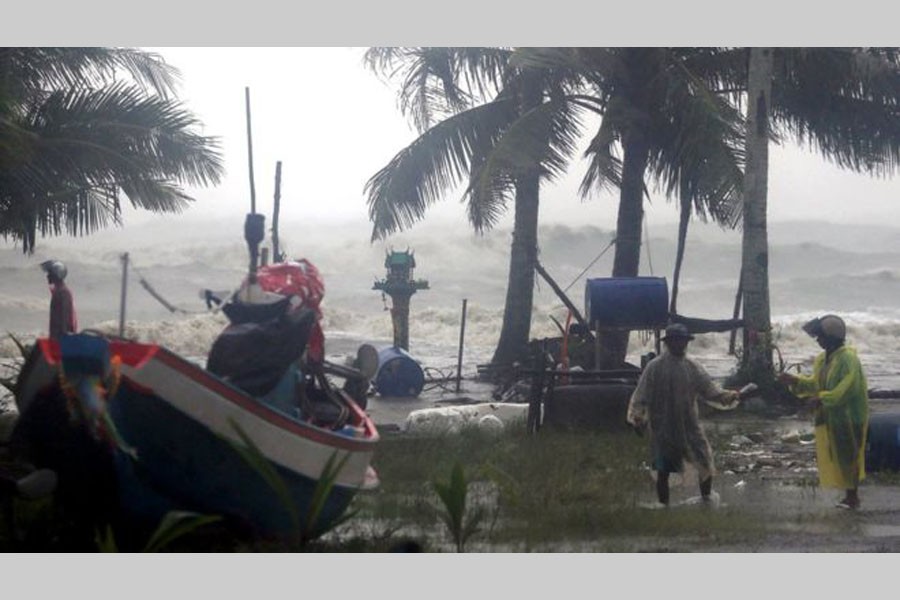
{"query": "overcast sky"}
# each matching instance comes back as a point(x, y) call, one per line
point(332, 123)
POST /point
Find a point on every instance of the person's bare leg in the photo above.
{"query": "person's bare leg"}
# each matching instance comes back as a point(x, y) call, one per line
point(706, 487)
point(662, 487)
point(851, 498)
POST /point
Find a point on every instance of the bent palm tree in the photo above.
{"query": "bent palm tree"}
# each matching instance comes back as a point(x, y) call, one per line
point(74, 139)
point(504, 146)
point(661, 115)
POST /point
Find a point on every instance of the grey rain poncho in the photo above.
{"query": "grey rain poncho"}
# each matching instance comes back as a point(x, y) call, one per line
point(666, 398)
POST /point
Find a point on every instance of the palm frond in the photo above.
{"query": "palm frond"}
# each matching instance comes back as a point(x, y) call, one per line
point(698, 148)
point(604, 169)
point(30, 71)
point(437, 160)
point(544, 139)
point(429, 81)
point(845, 102)
point(81, 147)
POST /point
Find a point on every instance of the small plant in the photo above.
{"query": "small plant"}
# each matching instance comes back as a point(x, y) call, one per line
point(174, 525)
point(320, 495)
point(9, 382)
point(309, 528)
point(453, 495)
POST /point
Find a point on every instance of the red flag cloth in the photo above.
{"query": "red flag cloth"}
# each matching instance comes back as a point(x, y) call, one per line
point(302, 279)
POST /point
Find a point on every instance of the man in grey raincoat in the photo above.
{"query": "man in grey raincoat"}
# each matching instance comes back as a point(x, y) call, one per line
point(666, 399)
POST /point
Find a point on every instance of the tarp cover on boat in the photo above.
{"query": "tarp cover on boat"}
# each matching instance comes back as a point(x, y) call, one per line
point(298, 278)
point(261, 342)
point(254, 356)
point(301, 285)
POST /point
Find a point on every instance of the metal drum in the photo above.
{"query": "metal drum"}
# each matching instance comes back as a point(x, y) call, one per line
point(399, 374)
point(627, 302)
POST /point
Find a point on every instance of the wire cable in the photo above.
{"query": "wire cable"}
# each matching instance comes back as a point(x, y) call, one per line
point(577, 277)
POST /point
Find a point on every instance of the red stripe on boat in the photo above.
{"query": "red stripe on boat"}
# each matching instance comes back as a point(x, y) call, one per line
point(132, 354)
point(252, 405)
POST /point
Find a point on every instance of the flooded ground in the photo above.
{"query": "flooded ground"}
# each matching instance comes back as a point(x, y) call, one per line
point(767, 484)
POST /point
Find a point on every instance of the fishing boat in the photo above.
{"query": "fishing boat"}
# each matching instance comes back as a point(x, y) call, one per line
point(177, 435)
point(260, 435)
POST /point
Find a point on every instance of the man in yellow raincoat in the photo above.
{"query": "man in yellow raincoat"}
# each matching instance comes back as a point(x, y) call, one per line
point(666, 399)
point(839, 392)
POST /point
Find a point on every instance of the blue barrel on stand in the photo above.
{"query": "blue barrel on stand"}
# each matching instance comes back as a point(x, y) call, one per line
point(627, 302)
point(883, 442)
point(399, 374)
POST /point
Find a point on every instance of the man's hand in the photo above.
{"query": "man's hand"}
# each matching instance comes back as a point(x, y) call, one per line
point(638, 424)
point(787, 378)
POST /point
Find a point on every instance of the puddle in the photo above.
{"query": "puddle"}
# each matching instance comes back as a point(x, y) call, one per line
point(873, 530)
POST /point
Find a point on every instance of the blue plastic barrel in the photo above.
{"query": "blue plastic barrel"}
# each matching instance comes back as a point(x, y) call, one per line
point(627, 302)
point(883, 442)
point(398, 373)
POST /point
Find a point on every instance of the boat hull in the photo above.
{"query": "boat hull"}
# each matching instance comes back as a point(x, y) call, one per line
point(184, 423)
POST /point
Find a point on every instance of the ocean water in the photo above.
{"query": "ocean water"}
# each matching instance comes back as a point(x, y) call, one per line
point(815, 268)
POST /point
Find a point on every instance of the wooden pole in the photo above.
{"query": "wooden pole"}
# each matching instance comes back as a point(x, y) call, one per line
point(250, 152)
point(462, 334)
point(276, 252)
point(254, 225)
point(533, 416)
point(122, 296)
point(737, 311)
point(562, 296)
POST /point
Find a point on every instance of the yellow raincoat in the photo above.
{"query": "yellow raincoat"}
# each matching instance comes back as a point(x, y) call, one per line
point(841, 420)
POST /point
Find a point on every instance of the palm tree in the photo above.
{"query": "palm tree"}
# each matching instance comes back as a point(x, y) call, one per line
point(487, 122)
point(655, 104)
point(755, 244)
point(76, 136)
point(663, 116)
point(845, 102)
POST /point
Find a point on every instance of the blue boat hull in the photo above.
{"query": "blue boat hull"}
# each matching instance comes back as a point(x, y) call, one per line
point(174, 438)
point(206, 475)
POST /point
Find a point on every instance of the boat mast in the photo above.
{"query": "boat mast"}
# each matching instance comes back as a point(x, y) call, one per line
point(254, 226)
point(276, 251)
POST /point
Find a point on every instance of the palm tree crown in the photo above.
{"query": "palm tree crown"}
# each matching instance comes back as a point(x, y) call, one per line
point(76, 134)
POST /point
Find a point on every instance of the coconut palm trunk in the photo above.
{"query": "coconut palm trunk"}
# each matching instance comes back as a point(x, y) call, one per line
point(683, 221)
point(626, 263)
point(516, 327)
point(757, 359)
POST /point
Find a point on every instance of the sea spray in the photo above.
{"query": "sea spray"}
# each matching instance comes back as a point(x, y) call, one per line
point(813, 271)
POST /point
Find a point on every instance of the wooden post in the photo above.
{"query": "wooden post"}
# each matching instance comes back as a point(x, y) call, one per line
point(276, 251)
point(122, 296)
point(562, 296)
point(533, 416)
point(737, 311)
point(462, 334)
point(254, 225)
point(250, 152)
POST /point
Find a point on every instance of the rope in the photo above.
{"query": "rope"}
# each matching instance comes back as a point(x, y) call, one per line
point(647, 243)
point(445, 379)
point(159, 298)
point(577, 277)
